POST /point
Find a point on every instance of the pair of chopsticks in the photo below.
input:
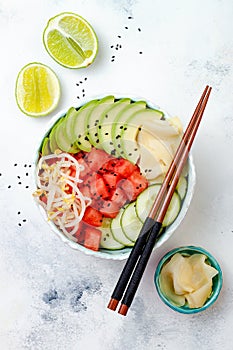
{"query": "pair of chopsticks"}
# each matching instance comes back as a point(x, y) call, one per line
point(139, 256)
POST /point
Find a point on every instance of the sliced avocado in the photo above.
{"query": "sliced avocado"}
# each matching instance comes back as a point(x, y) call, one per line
point(79, 131)
point(93, 119)
point(63, 142)
point(45, 148)
point(69, 118)
point(52, 136)
point(132, 126)
point(119, 123)
point(106, 120)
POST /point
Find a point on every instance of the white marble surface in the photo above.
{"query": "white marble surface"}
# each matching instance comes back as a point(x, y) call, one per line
point(54, 298)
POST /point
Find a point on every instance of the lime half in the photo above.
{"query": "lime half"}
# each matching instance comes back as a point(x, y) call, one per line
point(37, 90)
point(70, 40)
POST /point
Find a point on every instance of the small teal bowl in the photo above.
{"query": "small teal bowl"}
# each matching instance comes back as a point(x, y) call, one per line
point(217, 280)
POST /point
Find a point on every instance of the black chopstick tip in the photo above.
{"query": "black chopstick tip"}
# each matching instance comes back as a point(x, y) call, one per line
point(123, 310)
point(112, 305)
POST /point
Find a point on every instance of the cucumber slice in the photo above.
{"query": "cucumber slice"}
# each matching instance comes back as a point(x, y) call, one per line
point(182, 187)
point(117, 232)
point(173, 210)
point(130, 223)
point(107, 240)
point(146, 199)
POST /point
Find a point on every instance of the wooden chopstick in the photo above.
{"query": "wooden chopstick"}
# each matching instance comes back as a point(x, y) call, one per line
point(143, 247)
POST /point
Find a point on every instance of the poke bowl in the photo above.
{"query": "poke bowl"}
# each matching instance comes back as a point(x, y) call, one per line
point(98, 169)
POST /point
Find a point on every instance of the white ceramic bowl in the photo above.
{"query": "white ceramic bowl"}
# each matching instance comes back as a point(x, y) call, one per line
point(123, 253)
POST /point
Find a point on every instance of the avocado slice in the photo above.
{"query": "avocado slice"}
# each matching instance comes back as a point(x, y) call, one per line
point(78, 127)
point(52, 136)
point(63, 142)
point(132, 126)
point(45, 148)
point(106, 120)
point(93, 119)
point(119, 123)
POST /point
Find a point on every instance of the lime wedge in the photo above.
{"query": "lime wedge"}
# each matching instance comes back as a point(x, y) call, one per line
point(37, 90)
point(70, 40)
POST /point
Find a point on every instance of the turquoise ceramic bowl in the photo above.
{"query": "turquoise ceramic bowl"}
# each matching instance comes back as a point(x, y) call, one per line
point(217, 280)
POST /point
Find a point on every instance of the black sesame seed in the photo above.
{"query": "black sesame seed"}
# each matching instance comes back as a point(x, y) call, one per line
point(78, 97)
point(108, 204)
point(24, 220)
point(130, 17)
point(140, 52)
point(106, 133)
point(112, 46)
point(111, 143)
point(30, 166)
point(26, 174)
point(125, 128)
point(79, 143)
point(15, 164)
point(85, 79)
point(77, 84)
point(88, 126)
point(80, 82)
point(126, 28)
point(25, 165)
point(96, 134)
point(97, 141)
point(135, 149)
point(19, 224)
point(83, 95)
point(18, 213)
point(18, 177)
point(26, 186)
point(119, 36)
point(9, 186)
point(130, 154)
point(139, 129)
point(20, 183)
point(83, 90)
point(99, 126)
point(139, 29)
point(86, 138)
point(119, 146)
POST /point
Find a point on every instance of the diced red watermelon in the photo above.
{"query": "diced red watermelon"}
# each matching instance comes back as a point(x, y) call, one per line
point(139, 182)
point(93, 217)
point(92, 238)
point(111, 179)
point(101, 189)
point(124, 167)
